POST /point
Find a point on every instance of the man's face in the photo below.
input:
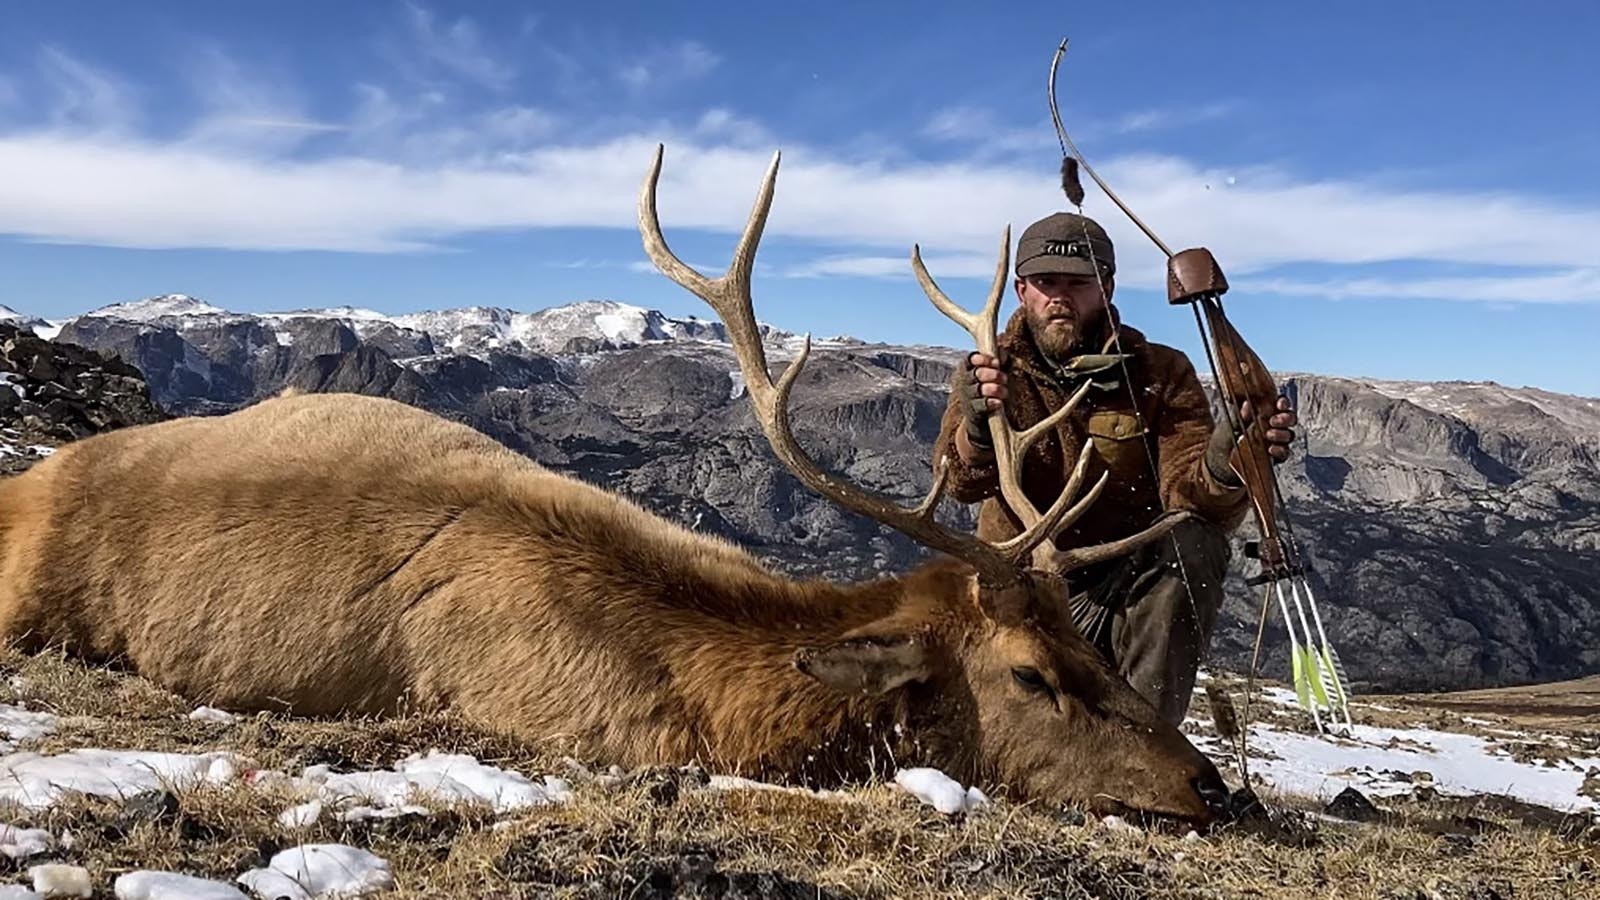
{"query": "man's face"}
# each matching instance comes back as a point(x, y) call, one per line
point(1062, 309)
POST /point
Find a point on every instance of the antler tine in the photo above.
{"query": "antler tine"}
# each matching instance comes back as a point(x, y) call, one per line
point(730, 296)
point(1058, 560)
point(1010, 447)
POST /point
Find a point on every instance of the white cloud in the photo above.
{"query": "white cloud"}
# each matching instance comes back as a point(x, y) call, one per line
point(406, 183)
point(459, 48)
point(669, 64)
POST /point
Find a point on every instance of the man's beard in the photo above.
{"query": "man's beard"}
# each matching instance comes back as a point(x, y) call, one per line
point(1060, 339)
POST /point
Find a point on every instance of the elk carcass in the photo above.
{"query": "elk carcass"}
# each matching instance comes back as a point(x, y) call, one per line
point(341, 554)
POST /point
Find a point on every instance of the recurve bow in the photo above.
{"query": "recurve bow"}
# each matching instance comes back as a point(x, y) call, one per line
point(1195, 279)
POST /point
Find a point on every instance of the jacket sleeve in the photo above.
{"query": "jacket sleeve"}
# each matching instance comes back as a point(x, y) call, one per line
point(1182, 434)
point(970, 482)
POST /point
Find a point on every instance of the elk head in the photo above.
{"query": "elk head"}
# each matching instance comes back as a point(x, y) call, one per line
point(1003, 681)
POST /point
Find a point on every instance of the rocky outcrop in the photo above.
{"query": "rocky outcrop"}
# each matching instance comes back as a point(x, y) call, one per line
point(52, 393)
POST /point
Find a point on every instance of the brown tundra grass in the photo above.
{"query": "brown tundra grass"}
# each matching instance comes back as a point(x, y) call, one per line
point(658, 834)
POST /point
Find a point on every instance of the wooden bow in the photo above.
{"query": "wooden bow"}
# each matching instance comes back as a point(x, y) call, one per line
point(1195, 279)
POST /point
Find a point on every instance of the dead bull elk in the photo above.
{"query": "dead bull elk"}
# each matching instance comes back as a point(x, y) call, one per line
point(340, 554)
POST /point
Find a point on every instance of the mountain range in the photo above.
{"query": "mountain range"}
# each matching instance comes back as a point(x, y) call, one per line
point(1452, 530)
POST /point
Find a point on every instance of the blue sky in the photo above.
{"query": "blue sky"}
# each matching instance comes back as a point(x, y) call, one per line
point(1400, 191)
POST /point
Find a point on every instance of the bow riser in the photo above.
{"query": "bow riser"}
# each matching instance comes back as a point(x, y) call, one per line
point(1195, 278)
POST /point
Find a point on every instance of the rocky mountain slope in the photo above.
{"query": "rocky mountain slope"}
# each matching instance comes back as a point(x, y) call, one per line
point(1453, 529)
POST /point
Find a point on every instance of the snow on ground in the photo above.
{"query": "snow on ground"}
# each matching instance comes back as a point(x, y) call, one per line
point(148, 885)
point(18, 724)
point(1394, 761)
point(940, 791)
point(442, 778)
point(36, 782)
point(316, 870)
point(1382, 762)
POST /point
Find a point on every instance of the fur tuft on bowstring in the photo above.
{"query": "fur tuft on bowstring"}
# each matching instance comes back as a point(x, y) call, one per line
point(1069, 181)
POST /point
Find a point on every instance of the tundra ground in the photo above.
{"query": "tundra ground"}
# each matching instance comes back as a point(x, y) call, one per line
point(664, 833)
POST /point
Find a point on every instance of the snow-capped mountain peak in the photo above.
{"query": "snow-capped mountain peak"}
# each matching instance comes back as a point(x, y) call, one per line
point(152, 308)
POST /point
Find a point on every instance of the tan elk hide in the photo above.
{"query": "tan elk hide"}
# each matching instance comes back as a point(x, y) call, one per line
point(222, 557)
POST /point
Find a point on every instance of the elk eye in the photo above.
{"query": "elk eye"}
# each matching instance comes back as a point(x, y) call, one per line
point(1030, 678)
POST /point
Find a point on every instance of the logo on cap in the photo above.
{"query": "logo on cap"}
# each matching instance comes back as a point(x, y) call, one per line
point(1065, 248)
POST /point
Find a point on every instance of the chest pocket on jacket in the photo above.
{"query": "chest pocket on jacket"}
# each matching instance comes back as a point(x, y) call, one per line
point(1119, 440)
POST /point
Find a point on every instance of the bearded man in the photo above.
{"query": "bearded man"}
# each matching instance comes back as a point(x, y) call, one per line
point(1151, 428)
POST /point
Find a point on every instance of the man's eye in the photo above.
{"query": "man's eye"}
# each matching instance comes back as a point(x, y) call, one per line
point(1030, 678)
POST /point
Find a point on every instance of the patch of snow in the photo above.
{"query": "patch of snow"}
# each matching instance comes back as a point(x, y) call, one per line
point(442, 777)
point(18, 892)
point(211, 714)
point(10, 380)
point(314, 870)
point(33, 781)
point(1119, 824)
point(50, 330)
point(736, 783)
point(353, 313)
point(61, 881)
point(303, 816)
point(41, 450)
point(939, 790)
point(20, 843)
point(149, 885)
point(18, 724)
point(1382, 762)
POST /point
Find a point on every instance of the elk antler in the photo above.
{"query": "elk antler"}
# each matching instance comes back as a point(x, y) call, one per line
point(1010, 447)
point(997, 565)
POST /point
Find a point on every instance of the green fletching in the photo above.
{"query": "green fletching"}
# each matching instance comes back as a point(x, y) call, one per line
point(1314, 677)
point(1302, 690)
point(1331, 680)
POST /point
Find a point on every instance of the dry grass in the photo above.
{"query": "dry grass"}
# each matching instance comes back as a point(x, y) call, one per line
point(660, 833)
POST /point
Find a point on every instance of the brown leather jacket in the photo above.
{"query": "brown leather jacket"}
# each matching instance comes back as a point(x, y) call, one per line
point(1167, 435)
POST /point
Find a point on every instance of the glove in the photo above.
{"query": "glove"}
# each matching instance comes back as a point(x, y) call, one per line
point(973, 405)
point(1218, 454)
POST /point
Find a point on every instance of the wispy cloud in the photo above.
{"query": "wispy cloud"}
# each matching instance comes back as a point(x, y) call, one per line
point(983, 133)
point(961, 265)
point(1571, 286)
point(669, 64)
point(85, 97)
point(459, 48)
point(245, 109)
point(1170, 117)
point(980, 132)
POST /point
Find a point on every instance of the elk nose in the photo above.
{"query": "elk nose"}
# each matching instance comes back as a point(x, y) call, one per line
point(1212, 791)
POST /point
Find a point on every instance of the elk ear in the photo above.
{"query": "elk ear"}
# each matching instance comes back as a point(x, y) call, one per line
point(866, 665)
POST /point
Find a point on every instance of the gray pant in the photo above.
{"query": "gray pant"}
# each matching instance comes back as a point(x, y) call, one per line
point(1151, 617)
